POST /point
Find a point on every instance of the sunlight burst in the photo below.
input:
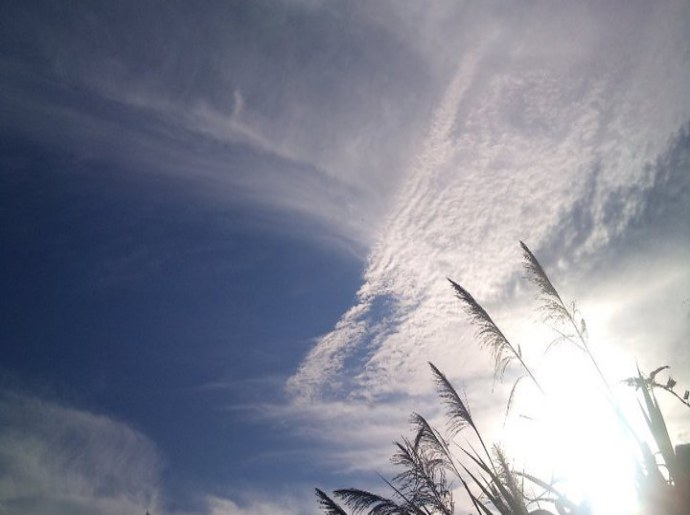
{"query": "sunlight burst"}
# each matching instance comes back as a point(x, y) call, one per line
point(574, 436)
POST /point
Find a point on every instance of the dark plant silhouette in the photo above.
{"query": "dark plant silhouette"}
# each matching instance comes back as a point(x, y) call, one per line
point(433, 465)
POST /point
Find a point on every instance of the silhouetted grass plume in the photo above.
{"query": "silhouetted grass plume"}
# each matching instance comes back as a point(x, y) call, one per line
point(434, 467)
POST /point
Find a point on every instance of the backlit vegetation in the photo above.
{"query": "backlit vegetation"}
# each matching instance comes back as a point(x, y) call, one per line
point(436, 467)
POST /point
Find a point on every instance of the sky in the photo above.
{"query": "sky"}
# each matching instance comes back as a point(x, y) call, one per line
point(227, 227)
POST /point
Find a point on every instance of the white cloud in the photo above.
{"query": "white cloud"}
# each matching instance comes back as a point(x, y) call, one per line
point(243, 116)
point(55, 459)
point(557, 88)
point(258, 505)
point(515, 145)
point(538, 138)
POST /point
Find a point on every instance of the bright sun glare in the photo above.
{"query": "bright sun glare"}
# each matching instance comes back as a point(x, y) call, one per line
point(574, 436)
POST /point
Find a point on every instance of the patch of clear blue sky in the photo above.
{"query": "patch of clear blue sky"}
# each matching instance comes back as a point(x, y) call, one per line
point(124, 295)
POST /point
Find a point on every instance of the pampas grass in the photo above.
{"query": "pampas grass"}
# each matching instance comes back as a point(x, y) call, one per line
point(433, 465)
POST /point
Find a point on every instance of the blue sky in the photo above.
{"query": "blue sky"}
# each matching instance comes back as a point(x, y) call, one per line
point(227, 226)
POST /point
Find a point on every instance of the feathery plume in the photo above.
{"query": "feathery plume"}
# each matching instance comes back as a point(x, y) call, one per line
point(458, 413)
point(490, 336)
point(328, 505)
point(361, 500)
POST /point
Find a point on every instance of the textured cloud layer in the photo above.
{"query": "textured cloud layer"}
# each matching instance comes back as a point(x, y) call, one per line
point(532, 141)
point(573, 136)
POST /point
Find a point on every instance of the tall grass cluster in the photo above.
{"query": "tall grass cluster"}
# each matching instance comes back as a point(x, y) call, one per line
point(434, 466)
